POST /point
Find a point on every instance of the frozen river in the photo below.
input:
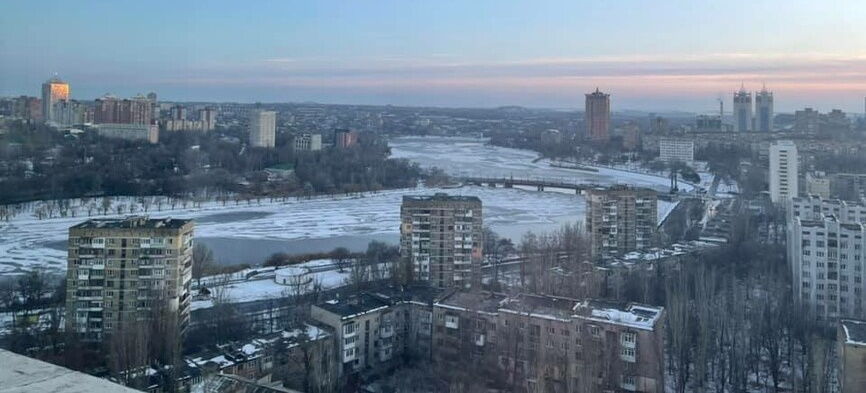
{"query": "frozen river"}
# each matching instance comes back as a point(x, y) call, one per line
point(249, 233)
point(472, 157)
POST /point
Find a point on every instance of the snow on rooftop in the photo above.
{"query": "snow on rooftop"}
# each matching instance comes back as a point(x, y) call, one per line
point(249, 349)
point(634, 316)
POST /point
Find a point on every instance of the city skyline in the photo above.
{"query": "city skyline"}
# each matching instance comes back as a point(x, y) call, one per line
point(662, 57)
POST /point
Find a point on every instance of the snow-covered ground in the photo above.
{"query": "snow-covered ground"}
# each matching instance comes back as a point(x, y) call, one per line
point(263, 286)
point(27, 242)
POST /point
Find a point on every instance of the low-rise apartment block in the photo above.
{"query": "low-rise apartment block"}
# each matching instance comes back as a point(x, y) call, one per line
point(544, 343)
point(373, 329)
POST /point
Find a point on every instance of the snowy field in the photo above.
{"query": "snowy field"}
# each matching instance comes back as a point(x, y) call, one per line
point(265, 287)
point(27, 242)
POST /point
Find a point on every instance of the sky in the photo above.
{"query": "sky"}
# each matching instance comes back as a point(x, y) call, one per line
point(650, 55)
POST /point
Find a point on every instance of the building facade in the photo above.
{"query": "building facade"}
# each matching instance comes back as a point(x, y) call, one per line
point(620, 219)
point(597, 116)
point(112, 110)
point(374, 330)
point(532, 343)
point(124, 271)
point(441, 240)
point(53, 91)
point(263, 128)
point(676, 150)
point(307, 142)
point(131, 132)
point(826, 261)
point(345, 139)
point(784, 172)
point(764, 111)
point(708, 123)
point(742, 111)
point(818, 183)
point(806, 121)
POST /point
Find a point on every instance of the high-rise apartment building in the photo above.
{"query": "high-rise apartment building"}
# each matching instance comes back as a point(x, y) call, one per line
point(112, 110)
point(263, 128)
point(307, 142)
point(597, 116)
point(677, 150)
point(125, 271)
point(620, 219)
point(818, 183)
point(29, 108)
point(344, 138)
point(815, 208)
point(208, 117)
point(784, 174)
point(53, 91)
point(806, 121)
point(178, 112)
point(440, 238)
point(764, 110)
point(742, 111)
point(826, 261)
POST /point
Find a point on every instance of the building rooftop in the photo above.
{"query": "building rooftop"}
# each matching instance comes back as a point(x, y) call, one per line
point(855, 331)
point(633, 315)
point(21, 374)
point(440, 197)
point(132, 222)
point(472, 300)
point(355, 305)
point(413, 293)
point(540, 306)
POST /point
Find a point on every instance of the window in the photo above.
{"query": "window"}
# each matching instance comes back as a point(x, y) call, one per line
point(595, 331)
point(349, 329)
point(627, 354)
point(628, 339)
point(628, 382)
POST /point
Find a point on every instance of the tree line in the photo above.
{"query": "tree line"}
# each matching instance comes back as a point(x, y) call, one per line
point(38, 162)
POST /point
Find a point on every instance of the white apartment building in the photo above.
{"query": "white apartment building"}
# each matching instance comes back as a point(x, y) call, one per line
point(308, 142)
point(813, 207)
point(818, 183)
point(826, 261)
point(676, 149)
point(783, 171)
point(263, 128)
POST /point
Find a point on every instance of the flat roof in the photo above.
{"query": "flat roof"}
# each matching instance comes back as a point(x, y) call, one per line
point(21, 374)
point(635, 315)
point(472, 301)
point(855, 331)
point(132, 222)
point(355, 305)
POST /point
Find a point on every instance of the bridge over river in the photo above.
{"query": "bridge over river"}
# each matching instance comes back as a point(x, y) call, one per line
point(540, 183)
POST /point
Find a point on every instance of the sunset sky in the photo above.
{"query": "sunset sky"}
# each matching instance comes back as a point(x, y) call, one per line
point(650, 55)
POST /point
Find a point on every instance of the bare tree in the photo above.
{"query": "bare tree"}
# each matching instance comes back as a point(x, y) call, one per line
point(202, 261)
